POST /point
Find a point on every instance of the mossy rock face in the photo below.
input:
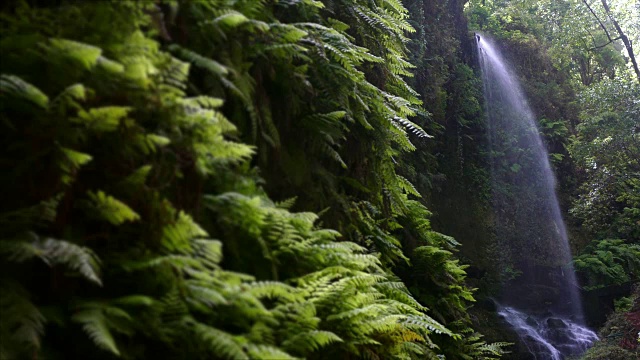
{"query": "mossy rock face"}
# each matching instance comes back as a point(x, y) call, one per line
point(619, 334)
point(609, 352)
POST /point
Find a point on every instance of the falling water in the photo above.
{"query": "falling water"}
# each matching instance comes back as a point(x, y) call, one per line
point(548, 336)
point(532, 237)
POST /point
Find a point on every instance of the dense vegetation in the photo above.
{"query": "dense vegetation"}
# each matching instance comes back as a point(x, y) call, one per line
point(255, 179)
point(141, 219)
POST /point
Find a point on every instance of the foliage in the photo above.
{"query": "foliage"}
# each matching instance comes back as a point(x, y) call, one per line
point(136, 226)
point(609, 262)
point(607, 148)
point(349, 100)
point(581, 39)
point(619, 335)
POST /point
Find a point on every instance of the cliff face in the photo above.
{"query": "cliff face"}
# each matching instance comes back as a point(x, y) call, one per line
point(454, 169)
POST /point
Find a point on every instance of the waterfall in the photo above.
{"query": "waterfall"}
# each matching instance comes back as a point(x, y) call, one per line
point(530, 232)
point(548, 337)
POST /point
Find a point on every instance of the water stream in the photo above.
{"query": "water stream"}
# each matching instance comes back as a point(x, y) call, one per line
point(543, 303)
point(549, 337)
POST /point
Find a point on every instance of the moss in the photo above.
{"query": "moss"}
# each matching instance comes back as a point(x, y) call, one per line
point(604, 351)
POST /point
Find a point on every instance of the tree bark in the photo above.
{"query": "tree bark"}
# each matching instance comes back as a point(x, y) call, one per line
point(627, 43)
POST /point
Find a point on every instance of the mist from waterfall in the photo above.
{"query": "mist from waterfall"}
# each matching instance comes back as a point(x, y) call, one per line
point(531, 235)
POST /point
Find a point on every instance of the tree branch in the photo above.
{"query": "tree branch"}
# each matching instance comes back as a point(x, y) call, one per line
point(599, 21)
point(625, 39)
point(601, 46)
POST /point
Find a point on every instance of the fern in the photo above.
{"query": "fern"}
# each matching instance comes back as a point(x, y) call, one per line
point(14, 87)
point(52, 252)
point(210, 65)
point(71, 162)
point(268, 353)
point(271, 290)
point(220, 342)
point(22, 323)
point(94, 323)
point(110, 209)
point(164, 138)
point(84, 55)
point(310, 341)
point(177, 236)
point(102, 119)
point(426, 322)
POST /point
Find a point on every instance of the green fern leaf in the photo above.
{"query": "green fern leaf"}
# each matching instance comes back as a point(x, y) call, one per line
point(138, 177)
point(52, 252)
point(198, 60)
point(266, 352)
point(104, 119)
point(13, 86)
point(220, 342)
point(231, 19)
point(83, 54)
point(178, 235)
point(272, 290)
point(110, 209)
point(21, 322)
point(426, 323)
point(94, 323)
point(310, 341)
point(71, 162)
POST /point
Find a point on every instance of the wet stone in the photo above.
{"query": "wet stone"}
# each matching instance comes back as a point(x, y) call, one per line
point(555, 323)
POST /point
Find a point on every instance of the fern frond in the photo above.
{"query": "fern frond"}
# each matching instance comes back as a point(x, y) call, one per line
point(21, 323)
point(104, 119)
point(138, 177)
point(94, 323)
point(495, 348)
point(310, 341)
point(85, 55)
point(208, 64)
point(266, 352)
point(209, 251)
point(177, 236)
point(71, 161)
point(230, 19)
point(272, 290)
point(14, 87)
point(176, 261)
point(205, 294)
point(423, 322)
point(69, 97)
point(220, 342)
point(52, 252)
point(110, 209)
point(286, 204)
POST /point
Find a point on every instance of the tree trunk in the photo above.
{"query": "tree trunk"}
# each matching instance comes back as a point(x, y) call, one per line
point(627, 43)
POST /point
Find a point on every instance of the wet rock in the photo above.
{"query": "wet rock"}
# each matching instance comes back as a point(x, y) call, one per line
point(548, 337)
point(488, 304)
point(559, 337)
point(555, 323)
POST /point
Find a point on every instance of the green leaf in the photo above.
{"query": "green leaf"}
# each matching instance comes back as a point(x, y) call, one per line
point(231, 19)
point(110, 209)
point(85, 55)
point(104, 119)
point(94, 323)
point(13, 86)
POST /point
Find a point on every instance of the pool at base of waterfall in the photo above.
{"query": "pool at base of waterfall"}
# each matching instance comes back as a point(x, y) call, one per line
point(548, 336)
